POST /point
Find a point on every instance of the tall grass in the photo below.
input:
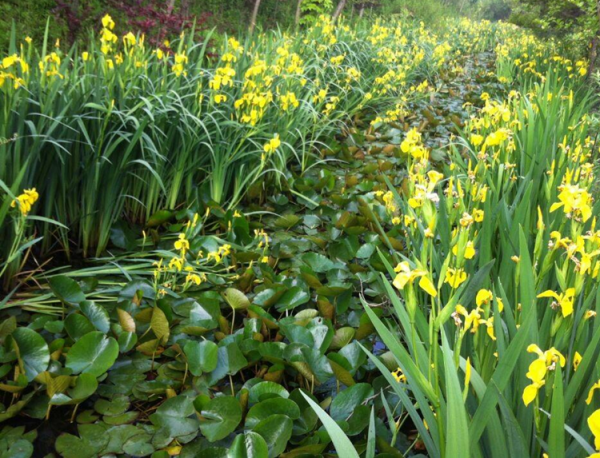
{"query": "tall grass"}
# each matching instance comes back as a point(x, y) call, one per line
point(493, 325)
point(119, 130)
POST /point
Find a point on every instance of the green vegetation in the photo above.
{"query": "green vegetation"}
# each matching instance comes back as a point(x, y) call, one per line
point(73, 20)
point(576, 23)
point(347, 236)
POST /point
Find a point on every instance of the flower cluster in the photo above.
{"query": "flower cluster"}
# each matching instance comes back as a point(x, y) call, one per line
point(25, 201)
point(539, 368)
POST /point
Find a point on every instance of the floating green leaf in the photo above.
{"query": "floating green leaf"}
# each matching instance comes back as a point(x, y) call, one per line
point(218, 416)
point(94, 353)
point(32, 351)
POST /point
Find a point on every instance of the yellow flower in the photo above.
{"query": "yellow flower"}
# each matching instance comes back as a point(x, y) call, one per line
point(530, 392)
point(409, 220)
point(195, 278)
point(272, 144)
point(129, 39)
point(108, 22)
point(490, 327)
point(478, 215)
point(469, 250)
point(220, 98)
point(176, 263)
point(228, 57)
point(10, 61)
point(182, 244)
point(468, 372)
point(537, 373)
point(234, 44)
point(85, 56)
point(466, 220)
point(484, 296)
point(25, 201)
point(540, 221)
point(472, 319)
point(497, 138)
point(434, 177)
point(406, 275)
point(550, 356)
point(476, 139)
point(455, 277)
point(574, 201)
point(218, 255)
point(412, 144)
point(565, 301)
point(337, 60)
point(594, 424)
point(179, 66)
point(289, 100)
point(388, 199)
point(500, 304)
point(590, 396)
point(576, 360)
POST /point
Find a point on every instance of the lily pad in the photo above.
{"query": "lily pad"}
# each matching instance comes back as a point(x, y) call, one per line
point(265, 409)
point(276, 431)
point(218, 416)
point(66, 289)
point(201, 356)
point(249, 445)
point(94, 353)
point(32, 351)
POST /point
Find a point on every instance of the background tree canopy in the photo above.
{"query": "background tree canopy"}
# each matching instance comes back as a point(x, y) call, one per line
point(576, 22)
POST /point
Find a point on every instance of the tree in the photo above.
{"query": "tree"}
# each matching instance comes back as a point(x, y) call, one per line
point(338, 10)
point(298, 12)
point(254, 15)
point(577, 22)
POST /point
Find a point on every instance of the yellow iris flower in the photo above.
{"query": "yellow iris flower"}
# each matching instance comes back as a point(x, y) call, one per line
point(484, 296)
point(455, 277)
point(407, 275)
point(576, 360)
point(565, 301)
point(574, 201)
point(25, 201)
point(469, 251)
point(594, 424)
point(539, 368)
point(182, 244)
point(272, 144)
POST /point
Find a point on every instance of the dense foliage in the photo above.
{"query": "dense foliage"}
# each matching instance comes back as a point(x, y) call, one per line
point(131, 119)
point(73, 20)
point(576, 22)
point(377, 240)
